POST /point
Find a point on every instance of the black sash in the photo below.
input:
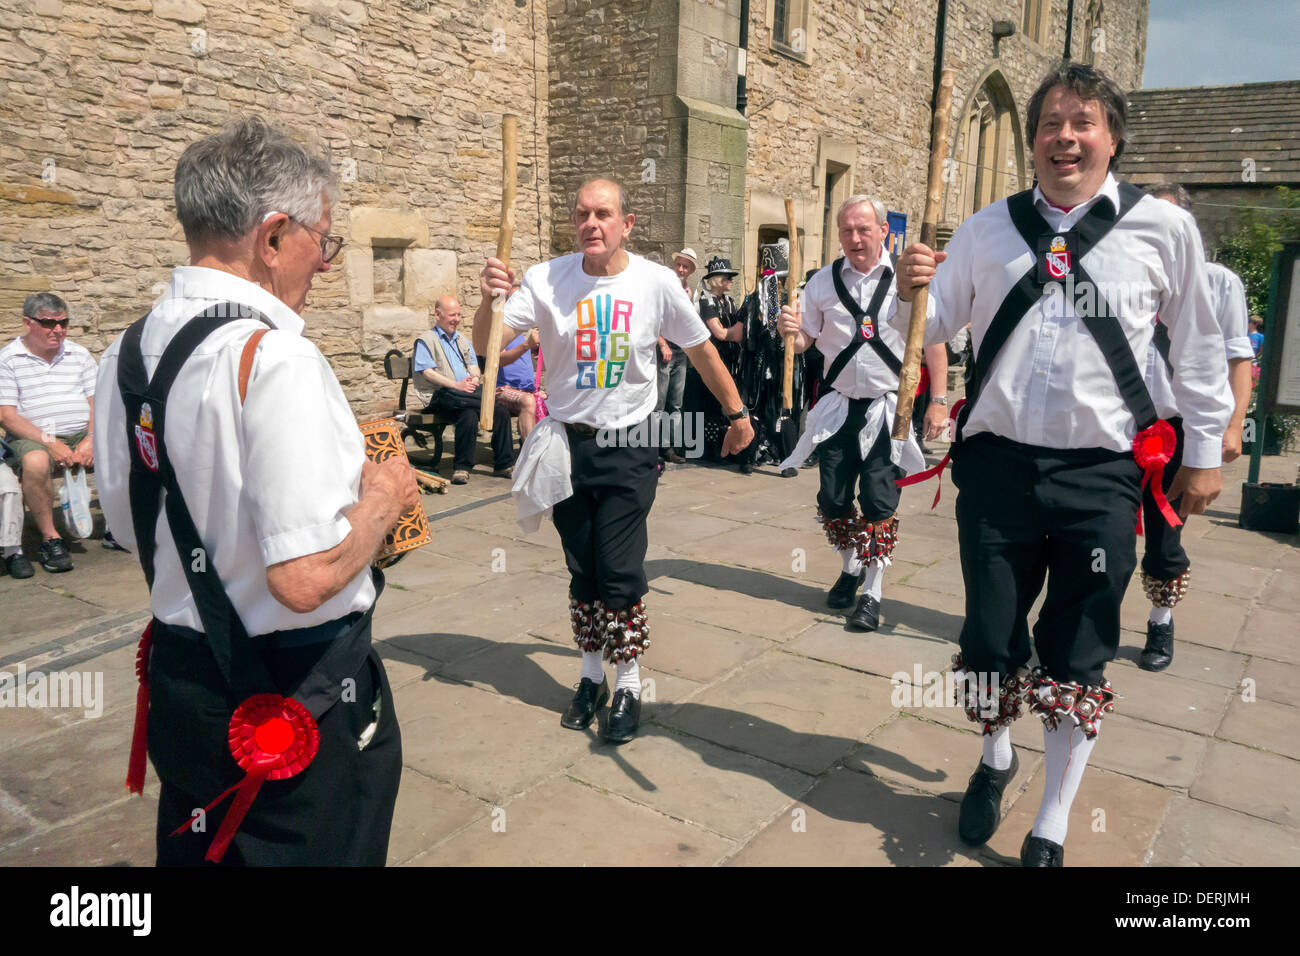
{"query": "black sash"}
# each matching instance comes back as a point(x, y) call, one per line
point(238, 657)
point(1102, 324)
point(872, 311)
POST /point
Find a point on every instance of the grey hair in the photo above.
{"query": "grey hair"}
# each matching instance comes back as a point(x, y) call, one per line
point(39, 302)
point(227, 183)
point(861, 199)
point(624, 209)
point(1174, 191)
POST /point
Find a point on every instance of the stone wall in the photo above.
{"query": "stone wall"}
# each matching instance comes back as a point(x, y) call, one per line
point(405, 97)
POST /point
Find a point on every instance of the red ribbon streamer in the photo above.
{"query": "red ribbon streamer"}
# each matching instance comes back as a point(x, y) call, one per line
point(929, 473)
point(271, 738)
point(135, 767)
point(1153, 448)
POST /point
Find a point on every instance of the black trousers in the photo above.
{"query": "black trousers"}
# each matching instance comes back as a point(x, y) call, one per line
point(1027, 514)
point(843, 467)
point(465, 407)
point(1163, 557)
point(336, 812)
point(602, 525)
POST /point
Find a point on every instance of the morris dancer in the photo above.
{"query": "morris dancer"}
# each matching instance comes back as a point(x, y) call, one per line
point(589, 464)
point(848, 305)
point(1056, 413)
point(1166, 569)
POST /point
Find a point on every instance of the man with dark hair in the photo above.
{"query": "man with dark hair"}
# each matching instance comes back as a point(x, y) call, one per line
point(1061, 285)
point(1166, 569)
point(592, 463)
point(230, 462)
point(47, 410)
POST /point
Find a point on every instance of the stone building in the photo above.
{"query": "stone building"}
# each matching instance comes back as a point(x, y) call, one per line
point(97, 100)
point(1230, 146)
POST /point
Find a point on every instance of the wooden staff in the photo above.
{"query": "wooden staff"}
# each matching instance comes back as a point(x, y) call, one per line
point(910, 376)
point(435, 483)
point(792, 289)
point(505, 236)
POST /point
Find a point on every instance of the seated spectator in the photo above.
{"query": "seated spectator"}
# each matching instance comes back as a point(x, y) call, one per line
point(11, 521)
point(441, 372)
point(47, 409)
point(517, 380)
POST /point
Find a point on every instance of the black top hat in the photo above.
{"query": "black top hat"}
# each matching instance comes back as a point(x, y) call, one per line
point(719, 266)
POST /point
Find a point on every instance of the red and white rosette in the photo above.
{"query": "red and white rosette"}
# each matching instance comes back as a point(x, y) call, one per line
point(271, 738)
point(135, 768)
point(1153, 448)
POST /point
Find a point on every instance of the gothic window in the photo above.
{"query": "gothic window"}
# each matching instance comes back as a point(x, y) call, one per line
point(1034, 21)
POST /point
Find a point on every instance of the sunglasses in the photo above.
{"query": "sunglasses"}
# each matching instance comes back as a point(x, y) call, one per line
point(49, 323)
point(329, 245)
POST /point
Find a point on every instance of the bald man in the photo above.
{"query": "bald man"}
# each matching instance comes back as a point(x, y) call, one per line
point(446, 374)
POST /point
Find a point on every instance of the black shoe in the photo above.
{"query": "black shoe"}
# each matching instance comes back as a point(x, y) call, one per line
point(1159, 652)
point(586, 702)
point(674, 458)
point(789, 472)
point(746, 469)
point(1039, 851)
point(54, 556)
point(981, 807)
point(624, 717)
point(18, 566)
point(866, 616)
point(810, 462)
point(845, 589)
point(110, 542)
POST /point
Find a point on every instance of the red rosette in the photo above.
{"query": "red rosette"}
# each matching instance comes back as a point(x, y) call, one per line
point(271, 738)
point(135, 768)
point(1153, 448)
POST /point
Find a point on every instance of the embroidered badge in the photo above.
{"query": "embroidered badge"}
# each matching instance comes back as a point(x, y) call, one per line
point(1058, 258)
point(146, 442)
point(867, 328)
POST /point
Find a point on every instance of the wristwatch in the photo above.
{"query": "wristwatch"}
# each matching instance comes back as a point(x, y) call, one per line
point(939, 399)
point(743, 413)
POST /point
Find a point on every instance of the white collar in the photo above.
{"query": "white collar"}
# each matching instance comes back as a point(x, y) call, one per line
point(63, 350)
point(881, 264)
point(1109, 190)
point(214, 285)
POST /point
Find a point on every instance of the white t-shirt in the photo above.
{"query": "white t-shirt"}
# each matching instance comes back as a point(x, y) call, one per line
point(600, 333)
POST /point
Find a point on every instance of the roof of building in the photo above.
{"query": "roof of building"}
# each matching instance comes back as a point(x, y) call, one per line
point(1202, 135)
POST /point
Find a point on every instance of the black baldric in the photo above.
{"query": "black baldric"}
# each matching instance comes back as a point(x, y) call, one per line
point(872, 313)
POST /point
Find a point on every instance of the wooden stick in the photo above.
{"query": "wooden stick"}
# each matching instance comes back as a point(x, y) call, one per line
point(436, 482)
point(792, 288)
point(910, 376)
point(505, 236)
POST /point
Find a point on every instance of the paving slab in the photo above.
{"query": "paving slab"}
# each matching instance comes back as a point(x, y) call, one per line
point(1195, 833)
point(572, 824)
point(1202, 617)
point(120, 834)
point(854, 819)
point(882, 652)
point(1113, 820)
point(1194, 662)
point(699, 652)
point(795, 712)
point(1169, 700)
point(1261, 784)
point(1150, 752)
point(1263, 724)
point(1272, 634)
point(1272, 680)
point(428, 811)
point(691, 779)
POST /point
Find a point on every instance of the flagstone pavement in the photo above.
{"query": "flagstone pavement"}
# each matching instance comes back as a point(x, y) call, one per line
point(770, 733)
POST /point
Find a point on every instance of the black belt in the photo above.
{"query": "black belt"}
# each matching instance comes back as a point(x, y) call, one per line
point(279, 640)
point(577, 428)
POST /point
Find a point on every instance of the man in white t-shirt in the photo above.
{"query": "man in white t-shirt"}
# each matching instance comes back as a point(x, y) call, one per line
point(593, 462)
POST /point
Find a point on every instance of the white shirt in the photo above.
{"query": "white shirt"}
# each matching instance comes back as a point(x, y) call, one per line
point(265, 482)
point(600, 335)
point(827, 320)
point(1229, 297)
point(1050, 386)
point(51, 395)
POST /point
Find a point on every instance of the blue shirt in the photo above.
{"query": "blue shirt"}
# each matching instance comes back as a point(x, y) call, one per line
point(1256, 341)
point(423, 360)
point(519, 373)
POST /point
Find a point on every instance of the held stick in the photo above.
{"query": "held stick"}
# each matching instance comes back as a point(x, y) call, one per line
point(505, 236)
point(910, 376)
point(792, 288)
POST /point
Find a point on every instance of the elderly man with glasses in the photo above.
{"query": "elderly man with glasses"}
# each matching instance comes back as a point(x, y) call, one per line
point(47, 409)
point(230, 461)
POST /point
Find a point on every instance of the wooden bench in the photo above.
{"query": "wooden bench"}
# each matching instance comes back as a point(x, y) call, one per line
point(415, 424)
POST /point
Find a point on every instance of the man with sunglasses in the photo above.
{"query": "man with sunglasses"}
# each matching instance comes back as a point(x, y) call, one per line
point(233, 466)
point(47, 408)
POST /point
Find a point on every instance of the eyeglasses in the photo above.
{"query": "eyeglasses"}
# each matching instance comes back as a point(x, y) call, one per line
point(330, 246)
point(49, 323)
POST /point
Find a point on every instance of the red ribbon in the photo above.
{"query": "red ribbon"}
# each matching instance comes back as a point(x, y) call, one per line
point(271, 738)
point(135, 767)
point(929, 473)
point(1153, 448)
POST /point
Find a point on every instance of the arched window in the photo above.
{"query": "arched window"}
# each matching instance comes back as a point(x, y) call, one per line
point(1094, 39)
point(1034, 20)
point(992, 149)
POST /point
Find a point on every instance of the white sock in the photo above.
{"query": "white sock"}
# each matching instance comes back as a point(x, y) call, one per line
point(1161, 615)
point(10, 551)
point(852, 564)
point(629, 678)
point(997, 748)
point(875, 580)
point(592, 668)
point(1067, 757)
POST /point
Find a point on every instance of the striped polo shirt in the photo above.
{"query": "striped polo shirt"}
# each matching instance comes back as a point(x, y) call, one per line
point(51, 395)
